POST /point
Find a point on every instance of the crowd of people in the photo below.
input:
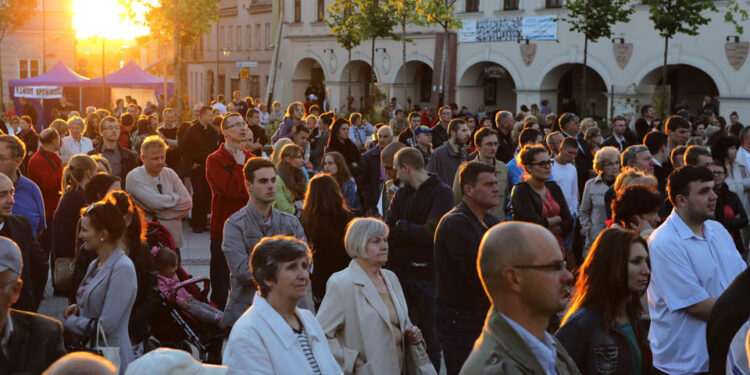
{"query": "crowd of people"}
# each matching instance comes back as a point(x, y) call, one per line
point(526, 242)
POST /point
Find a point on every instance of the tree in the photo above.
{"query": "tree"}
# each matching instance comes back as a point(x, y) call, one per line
point(343, 21)
point(439, 12)
point(594, 19)
point(404, 12)
point(377, 22)
point(672, 17)
point(13, 15)
point(194, 18)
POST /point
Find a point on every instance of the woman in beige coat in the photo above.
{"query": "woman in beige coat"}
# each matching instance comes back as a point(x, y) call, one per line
point(364, 313)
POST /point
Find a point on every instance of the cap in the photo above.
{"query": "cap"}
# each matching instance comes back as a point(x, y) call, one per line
point(422, 129)
point(10, 256)
point(165, 361)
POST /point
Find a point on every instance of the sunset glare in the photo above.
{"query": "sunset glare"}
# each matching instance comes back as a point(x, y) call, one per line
point(104, 18)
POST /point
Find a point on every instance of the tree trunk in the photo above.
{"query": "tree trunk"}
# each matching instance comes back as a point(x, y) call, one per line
point(403, 57)
point(664, 110)
point(2, 91)
point(349, 84)
point(371, 94)
point(585, 109)
point(177, 71)
point(441, 92)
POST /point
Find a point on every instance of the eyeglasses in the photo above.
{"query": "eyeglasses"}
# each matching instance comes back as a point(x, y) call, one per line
point(551, 267)
point(544, 164)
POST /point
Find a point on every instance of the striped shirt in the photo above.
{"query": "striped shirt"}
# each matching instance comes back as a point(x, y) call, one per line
point(303, 341)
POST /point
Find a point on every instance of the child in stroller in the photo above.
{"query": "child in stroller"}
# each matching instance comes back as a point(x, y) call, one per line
point(165, 260)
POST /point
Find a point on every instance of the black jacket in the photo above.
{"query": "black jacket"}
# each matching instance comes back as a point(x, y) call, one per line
point(730, 312)
point(412, 218)
point(599, 351)
point(317, 147)
point(457, 241)
point(64, 224)
point(197, 143)
point(611, 141)
point(36, 342)
point(506, 149)
point(733, 225)
point(526, 205)
point(147, 297)
point(641, 129)
point(128, 160)
point(439, 135)
point(326, 239)
point(35, 262)
point(371, 177)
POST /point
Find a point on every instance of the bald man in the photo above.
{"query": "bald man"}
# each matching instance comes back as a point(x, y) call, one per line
point(524, 275)
point(81, 363)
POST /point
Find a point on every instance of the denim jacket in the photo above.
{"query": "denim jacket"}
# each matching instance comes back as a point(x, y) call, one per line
point(596, 351)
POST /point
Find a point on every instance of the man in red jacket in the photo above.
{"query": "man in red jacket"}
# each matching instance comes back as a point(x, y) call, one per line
point(45, 169)
point(228, 195)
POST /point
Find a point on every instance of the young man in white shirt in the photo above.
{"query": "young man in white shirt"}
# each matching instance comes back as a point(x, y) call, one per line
point(564, 172)
point(693, 260)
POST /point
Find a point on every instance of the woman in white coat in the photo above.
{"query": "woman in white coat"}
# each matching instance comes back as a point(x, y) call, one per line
point(364, 313)
point(108, 290)
point(274, 336)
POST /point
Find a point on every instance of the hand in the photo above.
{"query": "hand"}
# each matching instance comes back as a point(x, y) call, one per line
point(239, 156)
point(640, 224)
point(359, 362)
point(308, 165)
point(71, 310)
point(413, 335)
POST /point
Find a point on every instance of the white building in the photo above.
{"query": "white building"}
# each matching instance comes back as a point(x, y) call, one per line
point(490, 73)
point(235, 54)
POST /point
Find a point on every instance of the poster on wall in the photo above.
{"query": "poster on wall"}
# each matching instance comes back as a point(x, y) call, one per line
point(508, 29)
point(38, 92)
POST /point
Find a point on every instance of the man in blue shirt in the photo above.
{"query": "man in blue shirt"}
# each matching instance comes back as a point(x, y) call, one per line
point(28, 197)
point(693, 260)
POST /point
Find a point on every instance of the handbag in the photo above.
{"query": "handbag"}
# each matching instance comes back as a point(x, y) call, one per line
point(417, 361)
point(90, 344)
point(63, 274)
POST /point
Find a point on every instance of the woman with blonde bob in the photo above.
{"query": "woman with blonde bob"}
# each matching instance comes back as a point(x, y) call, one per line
point(364, 313)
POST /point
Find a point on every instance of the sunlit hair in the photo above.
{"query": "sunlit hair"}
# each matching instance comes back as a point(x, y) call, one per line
point(294, 178)
point(359, 232)
point(135, 233)
point(153, 141)
point(292, 106)
point(268, 256)
point(75, 172)
point(604, 155)
point(342, 174)
point(61, 127)
point(528, 154)
point(602, 283)
point(630, 176)
point(277, 147)
point(98, 158)
point(323, 204)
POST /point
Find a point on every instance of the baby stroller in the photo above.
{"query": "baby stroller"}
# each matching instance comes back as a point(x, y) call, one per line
point(171, 325)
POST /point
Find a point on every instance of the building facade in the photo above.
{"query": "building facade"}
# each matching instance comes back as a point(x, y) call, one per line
point(235, 54)
point(22, 51)
point(493, 61)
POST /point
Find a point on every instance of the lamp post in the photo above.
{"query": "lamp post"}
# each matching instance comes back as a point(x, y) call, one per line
point(104, 85)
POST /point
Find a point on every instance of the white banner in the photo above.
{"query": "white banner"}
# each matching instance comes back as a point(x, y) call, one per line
point(539, 28)
point(508, 29)
point(38, 92)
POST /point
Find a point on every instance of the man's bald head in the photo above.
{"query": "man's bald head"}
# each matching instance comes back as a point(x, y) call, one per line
point(81, 363)
point(509, 244)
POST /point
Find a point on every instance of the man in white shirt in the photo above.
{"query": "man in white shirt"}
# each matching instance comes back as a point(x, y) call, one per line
point(565, 173)
point(158, 190)
point(693, 260)
point(75, 143)
point(220, 105)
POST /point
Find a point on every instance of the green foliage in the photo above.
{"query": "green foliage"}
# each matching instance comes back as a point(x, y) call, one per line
point(404, 12)
point(734, 9)
point(375, 19)
point(672, 17)
point(195, 18)
point(595, 18)
point(14, 14)
point(343, 20)
point(438, 12)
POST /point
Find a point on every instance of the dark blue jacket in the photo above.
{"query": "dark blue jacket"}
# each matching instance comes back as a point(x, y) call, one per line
point(413, 218)
point(596, 351)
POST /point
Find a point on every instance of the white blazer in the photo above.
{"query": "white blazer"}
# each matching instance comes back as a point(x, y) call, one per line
point(355, 319)
point(69, 147)
point(261, 342)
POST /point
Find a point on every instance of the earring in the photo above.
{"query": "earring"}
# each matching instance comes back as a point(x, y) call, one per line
point(101, 239)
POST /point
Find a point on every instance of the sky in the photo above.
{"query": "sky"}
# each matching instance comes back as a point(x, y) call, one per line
point(97, 18)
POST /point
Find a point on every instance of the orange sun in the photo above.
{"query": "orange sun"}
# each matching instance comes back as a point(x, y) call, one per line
point(105, 18)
